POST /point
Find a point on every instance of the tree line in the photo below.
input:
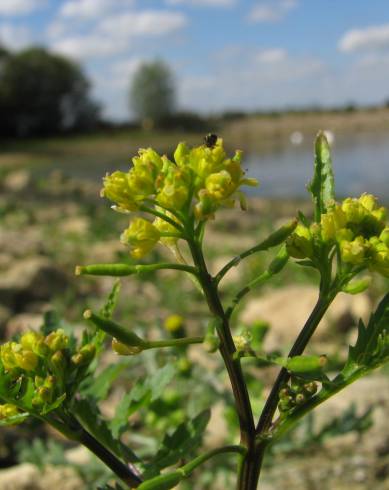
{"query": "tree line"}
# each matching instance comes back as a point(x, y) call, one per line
point(43, 93)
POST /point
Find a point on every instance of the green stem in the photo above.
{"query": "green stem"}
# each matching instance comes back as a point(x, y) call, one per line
point(163, 216)
point(79, 434)
point(154, 344)
point(251, 467)
point(189, 467)
point(265, 276)
point(273, 240)
point(323, 396)
point(227, 347)
point(306, 333)
point(118, 270)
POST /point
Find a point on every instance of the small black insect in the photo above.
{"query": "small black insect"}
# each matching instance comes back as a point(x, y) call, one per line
point(210, 140)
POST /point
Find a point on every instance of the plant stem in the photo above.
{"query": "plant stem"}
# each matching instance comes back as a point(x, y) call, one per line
point(306, 333)
point(79, 434)
point(153, 344)
point(189, 467)
point(118, 270)
point(227, 346)
point(274, 239)
point(121, 470)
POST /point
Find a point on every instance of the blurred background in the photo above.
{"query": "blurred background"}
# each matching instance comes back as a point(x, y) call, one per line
point(83, 85)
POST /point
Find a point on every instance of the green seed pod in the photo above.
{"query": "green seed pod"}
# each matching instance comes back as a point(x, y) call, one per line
point(357, 287)
point(163, 482)
point(279, 262)
point(279, 235)
point(121, 333)
point(306, 364)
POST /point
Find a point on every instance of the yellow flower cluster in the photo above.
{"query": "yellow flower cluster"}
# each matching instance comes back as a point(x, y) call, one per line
point(196, 183)
point(44, 360)
point(359, 228)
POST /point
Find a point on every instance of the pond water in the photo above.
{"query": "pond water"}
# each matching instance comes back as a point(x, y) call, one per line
point(361, 164)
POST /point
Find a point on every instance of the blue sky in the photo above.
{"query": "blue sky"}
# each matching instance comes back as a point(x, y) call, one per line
point(226, 54)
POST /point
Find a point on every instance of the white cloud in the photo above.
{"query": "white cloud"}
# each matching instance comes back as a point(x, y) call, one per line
point(88, 46)
point(90, 9)
point(14, 37)
point(271, 12)
point(368, 39)
point(143, 23)
point(20, 7)
point(273, 55)
point(114, 33)
point(203, 3)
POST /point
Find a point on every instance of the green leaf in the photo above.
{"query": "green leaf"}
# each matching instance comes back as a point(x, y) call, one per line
point(141, 395)
point(98, 387)
point(14, 420)
point(112, 300)
point(88, 414)
point(184, 440)
point(372, 346)
point(322, 186)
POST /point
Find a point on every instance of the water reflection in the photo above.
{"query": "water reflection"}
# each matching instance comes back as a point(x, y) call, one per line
point(360, 163)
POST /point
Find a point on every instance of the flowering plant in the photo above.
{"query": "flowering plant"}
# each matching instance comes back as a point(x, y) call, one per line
point(51, 376)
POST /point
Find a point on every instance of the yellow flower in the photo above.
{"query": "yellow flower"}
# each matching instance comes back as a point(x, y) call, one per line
point(354, 252)
point(116, 188)
point(174, 192)
point(8, 410)
point(331, 222)
point(141, 236)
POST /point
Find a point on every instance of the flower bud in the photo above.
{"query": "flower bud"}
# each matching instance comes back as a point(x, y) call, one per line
point(206, 206)
point(84, 355)
point(173, 323)
point(384, 236)
point(27, 360)
point(180, 154)
point(8, 410)
point(300, 399)
point(57, 340)
point(58, 360)
point(299, 244)
point(311, 388)
point(29, 340)
point(7, 356)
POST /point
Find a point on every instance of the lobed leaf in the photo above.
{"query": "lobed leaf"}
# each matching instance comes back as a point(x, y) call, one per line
point(322, 186)
point(184, 440)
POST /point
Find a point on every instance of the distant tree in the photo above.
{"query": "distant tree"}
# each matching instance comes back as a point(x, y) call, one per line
point(43, 93)
point(152, 93)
